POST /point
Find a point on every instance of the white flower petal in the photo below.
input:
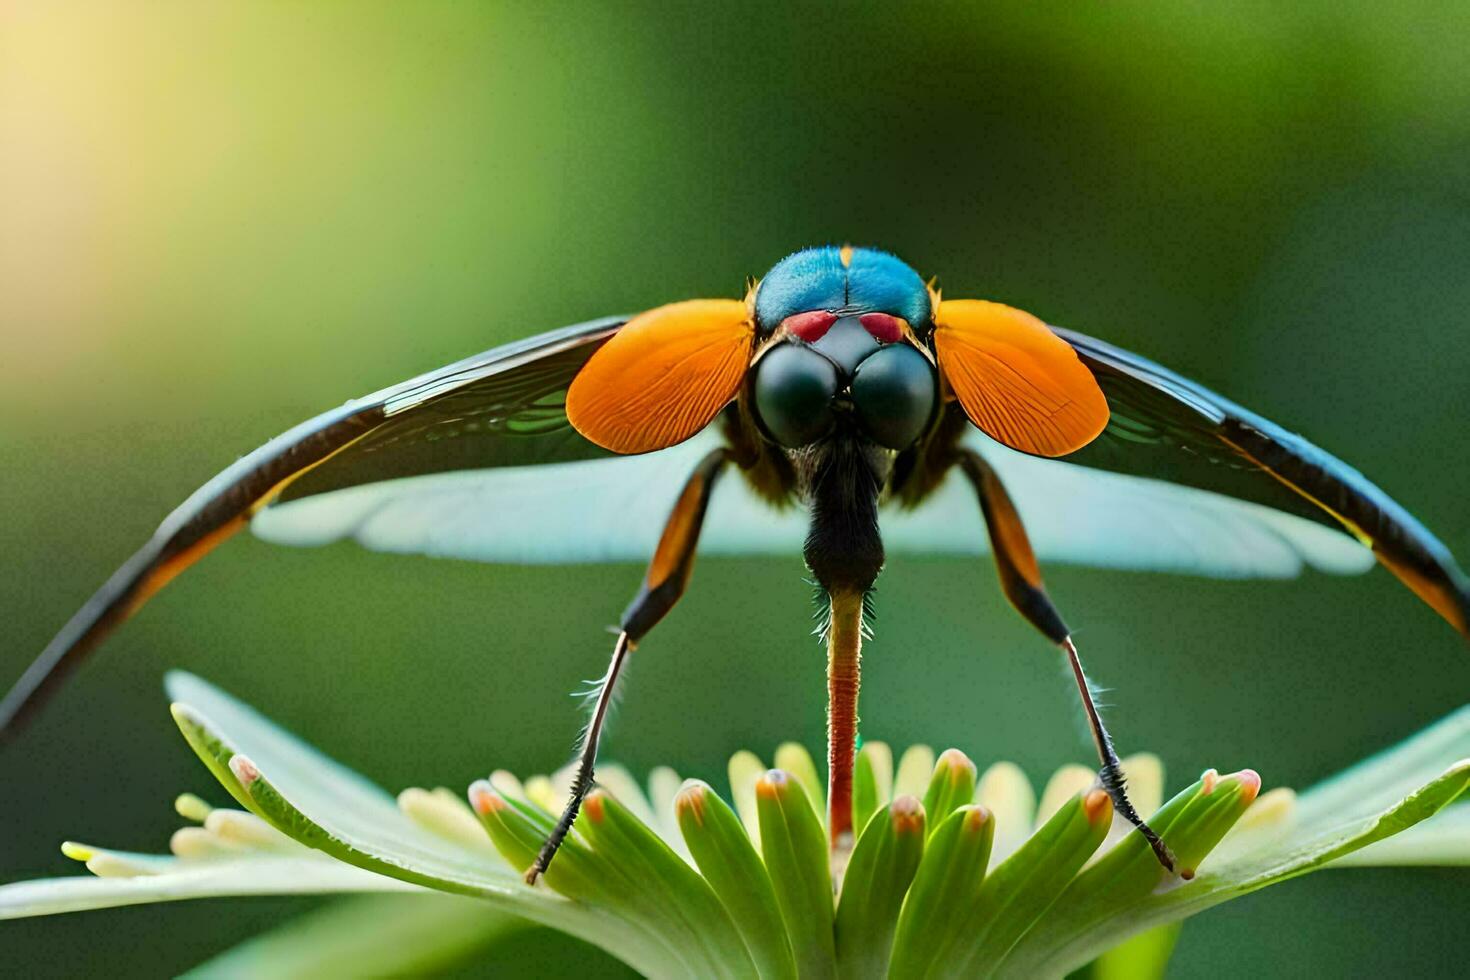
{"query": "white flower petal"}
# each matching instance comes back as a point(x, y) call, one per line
point(744, 769)
point(621, 784)
point(1443, 839)
point(254, 875)
point(446, 815)
point(915, 767)
point(1064, 784)
point(663, 787)
point(367, 936)
point(1005, 791)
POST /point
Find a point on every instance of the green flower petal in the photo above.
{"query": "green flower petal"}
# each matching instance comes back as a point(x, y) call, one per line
point(794, 846)
point(882, 866)
point(324, 805)
point(1372, 801)
point(1192, 823)
point(1073, 892)
point(952, 786)
point(793, 758)
point(1025, 885)
point(872, 781)
point(945, 889)
point(674, 896)
point(595, 866)
point(725, 857)
point(517, 830)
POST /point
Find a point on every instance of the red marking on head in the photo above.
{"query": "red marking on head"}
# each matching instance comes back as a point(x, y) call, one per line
point(884, 328)
point(810, 326)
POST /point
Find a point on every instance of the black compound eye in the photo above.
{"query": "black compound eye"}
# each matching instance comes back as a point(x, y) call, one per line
point(894, 392)
point(793, 395)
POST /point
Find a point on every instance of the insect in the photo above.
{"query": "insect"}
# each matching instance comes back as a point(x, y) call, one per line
point(841, 407)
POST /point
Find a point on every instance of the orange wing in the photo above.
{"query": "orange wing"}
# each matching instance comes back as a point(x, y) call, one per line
point(663, 376)
point(1016, 380)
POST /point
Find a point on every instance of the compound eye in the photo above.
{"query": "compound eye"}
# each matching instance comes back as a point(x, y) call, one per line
point(794, 386)
point(894, 393)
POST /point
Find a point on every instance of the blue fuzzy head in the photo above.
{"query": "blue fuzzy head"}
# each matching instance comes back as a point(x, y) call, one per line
point(817, 279)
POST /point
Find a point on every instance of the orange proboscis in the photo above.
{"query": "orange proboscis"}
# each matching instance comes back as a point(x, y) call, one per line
point(844, 672)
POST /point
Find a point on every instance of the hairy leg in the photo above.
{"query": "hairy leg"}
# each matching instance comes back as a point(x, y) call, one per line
point(1020, 578)
point(663, 585)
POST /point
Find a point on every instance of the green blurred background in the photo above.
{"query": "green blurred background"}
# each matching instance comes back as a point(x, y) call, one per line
point(218, 220)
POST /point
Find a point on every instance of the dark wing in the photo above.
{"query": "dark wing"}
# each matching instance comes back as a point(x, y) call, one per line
point(1170, 428)
point(502, 408)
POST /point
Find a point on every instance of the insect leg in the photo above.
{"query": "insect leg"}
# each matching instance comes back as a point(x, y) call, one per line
point(1020, 579)
point(668, 574)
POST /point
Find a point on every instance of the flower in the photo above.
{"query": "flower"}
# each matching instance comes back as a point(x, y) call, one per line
point(954, 872)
